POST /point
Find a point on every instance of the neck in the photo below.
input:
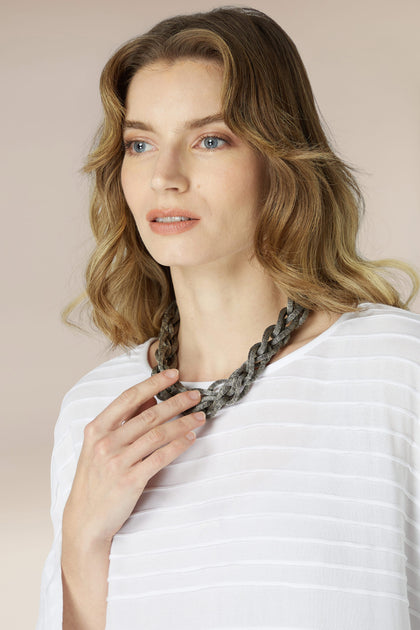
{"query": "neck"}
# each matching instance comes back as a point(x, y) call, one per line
point(221, 316)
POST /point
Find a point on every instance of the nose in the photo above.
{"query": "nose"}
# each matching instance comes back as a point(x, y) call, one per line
point(169, 172)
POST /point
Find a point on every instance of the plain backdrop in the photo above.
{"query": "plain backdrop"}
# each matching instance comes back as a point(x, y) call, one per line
point(363, 60)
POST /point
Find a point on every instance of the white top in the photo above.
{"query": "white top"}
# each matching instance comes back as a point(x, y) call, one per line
point(297, 508)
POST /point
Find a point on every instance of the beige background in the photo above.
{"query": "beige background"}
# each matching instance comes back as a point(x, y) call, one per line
point(363, 61)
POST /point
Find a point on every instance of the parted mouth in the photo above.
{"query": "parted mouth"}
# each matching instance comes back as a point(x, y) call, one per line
point(170, 215)
point(171, 219)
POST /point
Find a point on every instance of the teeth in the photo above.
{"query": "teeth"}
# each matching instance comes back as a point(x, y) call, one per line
point(171, 219)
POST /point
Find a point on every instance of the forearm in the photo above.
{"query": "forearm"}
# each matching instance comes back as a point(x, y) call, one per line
point(114, 466)
point(84, 569)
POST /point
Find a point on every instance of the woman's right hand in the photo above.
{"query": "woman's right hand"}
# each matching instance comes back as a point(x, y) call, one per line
point(123, 447)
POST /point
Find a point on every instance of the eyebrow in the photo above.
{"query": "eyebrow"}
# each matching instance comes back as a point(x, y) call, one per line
point(190, 124)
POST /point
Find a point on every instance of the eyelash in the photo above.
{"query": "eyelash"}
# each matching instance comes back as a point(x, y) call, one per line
point(127, 145)
point(207, 135)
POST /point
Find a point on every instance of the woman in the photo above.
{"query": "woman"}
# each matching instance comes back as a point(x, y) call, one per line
point(226, 231)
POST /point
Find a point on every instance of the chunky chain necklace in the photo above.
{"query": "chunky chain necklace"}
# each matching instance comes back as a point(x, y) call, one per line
point(225, 392)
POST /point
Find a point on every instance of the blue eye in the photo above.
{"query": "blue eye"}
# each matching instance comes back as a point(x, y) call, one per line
point(136, 146)
point(139, 146)
point(212, 142)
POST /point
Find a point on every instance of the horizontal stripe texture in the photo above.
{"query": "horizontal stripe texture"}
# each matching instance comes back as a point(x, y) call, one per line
point(298, 507)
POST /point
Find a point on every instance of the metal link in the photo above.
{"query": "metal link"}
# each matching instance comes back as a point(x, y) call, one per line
point(226, 392)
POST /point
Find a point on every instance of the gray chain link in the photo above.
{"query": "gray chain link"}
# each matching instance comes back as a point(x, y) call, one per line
point(226, 392)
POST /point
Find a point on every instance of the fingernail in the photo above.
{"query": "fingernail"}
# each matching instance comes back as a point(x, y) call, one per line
point(194, 395)
point(171, 373)
point(200, 415)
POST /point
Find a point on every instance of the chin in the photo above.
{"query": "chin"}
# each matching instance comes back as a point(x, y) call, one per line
point(180, 261)
point(183, 258)
point(171, 257)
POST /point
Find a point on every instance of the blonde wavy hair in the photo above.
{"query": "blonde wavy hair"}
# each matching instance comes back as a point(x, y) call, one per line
point(307, 228)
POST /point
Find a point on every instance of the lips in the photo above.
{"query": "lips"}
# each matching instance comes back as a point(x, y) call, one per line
point(170, 212)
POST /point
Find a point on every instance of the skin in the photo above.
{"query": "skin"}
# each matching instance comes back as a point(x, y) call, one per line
point(220, 289)
point(176, 169)
point(219, 286)
point(123, 447)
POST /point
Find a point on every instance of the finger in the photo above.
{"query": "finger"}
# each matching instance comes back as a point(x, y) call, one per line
point(155, 415)
point(127, 404)
point(163, 434)
point(149, 403)
point(160, 458)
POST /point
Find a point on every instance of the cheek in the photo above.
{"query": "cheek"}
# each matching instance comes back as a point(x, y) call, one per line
point(243, 187)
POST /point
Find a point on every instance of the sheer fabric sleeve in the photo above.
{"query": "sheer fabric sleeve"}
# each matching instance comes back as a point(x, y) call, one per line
point(83, 402)
point(63, 466)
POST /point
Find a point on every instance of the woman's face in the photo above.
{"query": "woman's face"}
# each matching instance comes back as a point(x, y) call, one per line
point(181, 160)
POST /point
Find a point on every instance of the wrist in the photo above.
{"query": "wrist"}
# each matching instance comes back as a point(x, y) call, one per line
point(84, 543)
point(84, 560)
point(80, 537)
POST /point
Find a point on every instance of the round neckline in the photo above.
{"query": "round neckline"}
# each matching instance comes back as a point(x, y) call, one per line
point(279, 363)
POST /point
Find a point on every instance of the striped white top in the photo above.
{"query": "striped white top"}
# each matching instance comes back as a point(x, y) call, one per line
point(298, 508)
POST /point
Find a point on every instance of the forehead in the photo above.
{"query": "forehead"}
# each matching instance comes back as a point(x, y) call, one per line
point(184, 86)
